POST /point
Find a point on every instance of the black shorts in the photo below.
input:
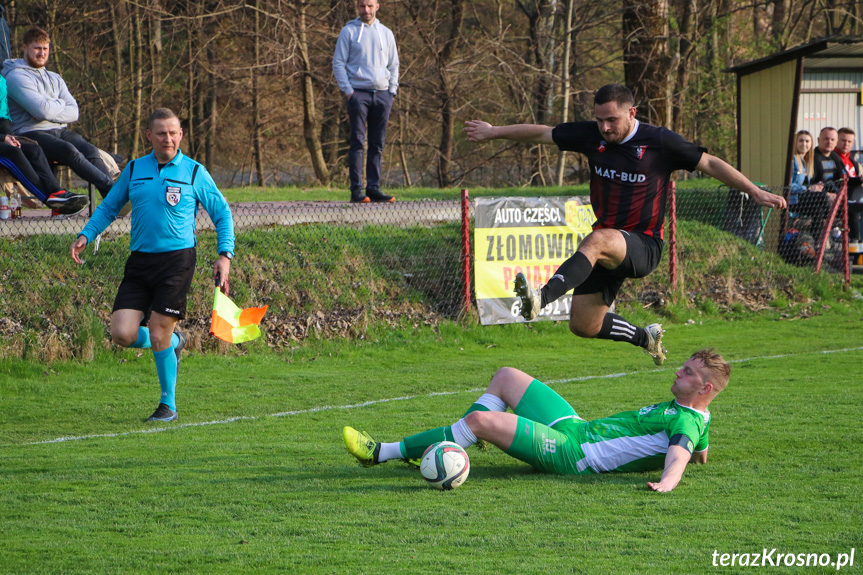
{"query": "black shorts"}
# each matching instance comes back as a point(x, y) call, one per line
point(643, 253)
point(157, 282)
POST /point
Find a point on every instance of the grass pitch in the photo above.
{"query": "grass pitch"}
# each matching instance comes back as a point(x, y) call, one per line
point(254, 478)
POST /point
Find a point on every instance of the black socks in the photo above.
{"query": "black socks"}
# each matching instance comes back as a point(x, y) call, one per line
point(569, 275)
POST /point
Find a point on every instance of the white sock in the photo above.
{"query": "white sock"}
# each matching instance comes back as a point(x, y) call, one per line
point(462, 433)
point(492, 402)
point(389, 451)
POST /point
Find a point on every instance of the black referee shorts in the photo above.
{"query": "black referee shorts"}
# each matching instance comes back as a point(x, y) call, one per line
point(157, 282)
point(643, 253)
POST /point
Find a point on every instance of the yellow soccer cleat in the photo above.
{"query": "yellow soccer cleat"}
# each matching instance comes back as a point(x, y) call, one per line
point(362, 446)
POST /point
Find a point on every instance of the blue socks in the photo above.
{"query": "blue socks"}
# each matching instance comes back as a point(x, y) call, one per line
point(166, 367)
point(143, 340)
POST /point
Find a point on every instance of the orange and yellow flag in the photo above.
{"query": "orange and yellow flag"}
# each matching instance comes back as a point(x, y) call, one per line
point(233, 324)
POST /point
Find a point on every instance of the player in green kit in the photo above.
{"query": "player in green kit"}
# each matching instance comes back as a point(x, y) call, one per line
point(546, 432)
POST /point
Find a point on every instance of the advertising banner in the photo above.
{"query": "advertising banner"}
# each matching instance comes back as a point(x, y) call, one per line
point(528, 235)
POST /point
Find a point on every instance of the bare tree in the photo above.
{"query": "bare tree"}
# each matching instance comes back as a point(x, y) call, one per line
point(310, 119)
point(117, 39)
point(646, 57)
point(565, 81)
point(441, 56)
point(136, 46)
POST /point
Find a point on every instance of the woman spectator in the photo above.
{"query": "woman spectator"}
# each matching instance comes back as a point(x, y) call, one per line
point(802, 166)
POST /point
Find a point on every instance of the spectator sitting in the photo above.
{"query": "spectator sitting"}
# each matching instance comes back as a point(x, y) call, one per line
point(825, 181)
point(844, 146)
point(27, 157)
point(41, 107)
point(802, 166)
point(827, 165)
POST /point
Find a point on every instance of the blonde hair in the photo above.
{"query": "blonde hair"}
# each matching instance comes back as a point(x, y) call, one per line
point(716, 369)
point(806, 160)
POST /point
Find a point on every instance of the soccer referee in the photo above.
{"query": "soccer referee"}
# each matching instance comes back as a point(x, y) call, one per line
point(165, 189)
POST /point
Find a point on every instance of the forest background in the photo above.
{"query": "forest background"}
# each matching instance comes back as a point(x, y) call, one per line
point(252, 79)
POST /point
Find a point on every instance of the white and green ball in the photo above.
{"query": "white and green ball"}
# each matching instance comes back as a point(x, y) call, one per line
point(445, 465)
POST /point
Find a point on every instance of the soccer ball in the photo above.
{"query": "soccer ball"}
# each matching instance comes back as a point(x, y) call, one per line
point(445, 465)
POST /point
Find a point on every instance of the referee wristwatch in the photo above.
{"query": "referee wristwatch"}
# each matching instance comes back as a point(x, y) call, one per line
point(228, 255)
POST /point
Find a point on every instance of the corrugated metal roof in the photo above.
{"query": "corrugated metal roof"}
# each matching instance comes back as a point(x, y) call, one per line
point(823, 63)
point(833, 52)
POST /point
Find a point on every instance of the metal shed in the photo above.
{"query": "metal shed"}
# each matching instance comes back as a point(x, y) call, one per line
point(804, 88)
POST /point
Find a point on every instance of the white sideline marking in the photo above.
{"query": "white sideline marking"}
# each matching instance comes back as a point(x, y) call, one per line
point(387, 400)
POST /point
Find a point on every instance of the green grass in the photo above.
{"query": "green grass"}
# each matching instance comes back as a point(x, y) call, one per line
point(324, 280)
point(279, 494)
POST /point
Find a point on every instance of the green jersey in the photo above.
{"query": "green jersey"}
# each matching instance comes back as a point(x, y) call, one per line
point(636, 440)
point(552, 437)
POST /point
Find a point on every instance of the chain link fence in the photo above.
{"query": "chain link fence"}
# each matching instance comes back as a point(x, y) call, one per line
point(324, 270)
point(335, 269)
point(725, 252)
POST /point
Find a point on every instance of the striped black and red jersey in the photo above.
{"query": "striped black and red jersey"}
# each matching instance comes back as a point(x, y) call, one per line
point(629, 181)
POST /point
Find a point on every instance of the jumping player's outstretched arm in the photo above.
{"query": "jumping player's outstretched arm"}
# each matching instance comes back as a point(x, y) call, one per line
point(675, 464)
point(479, 131)
point(728, 175)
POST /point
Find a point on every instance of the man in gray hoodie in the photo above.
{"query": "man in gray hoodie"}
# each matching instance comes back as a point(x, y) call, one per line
point(366, 67)
point(41, 107)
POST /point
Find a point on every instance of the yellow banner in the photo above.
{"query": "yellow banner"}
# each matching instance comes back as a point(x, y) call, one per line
point(537, 251)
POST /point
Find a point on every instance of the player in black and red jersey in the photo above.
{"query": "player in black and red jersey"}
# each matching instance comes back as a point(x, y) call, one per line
point(630, 165)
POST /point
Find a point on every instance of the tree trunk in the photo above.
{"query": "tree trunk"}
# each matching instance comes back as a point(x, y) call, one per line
point(118, 76)
point(155, 53)
point(332, 139)
point(447, 94)
point(538, 14)
point(310, 121)
point(685, 48)
point(404, 161)
point(138, 77)
point(257, 136)
point(190, 87)
point(212, 108)
point(565, 81)
point(646, 57)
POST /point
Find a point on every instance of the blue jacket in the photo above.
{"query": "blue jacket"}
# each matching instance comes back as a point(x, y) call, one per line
point(164, 205)
point(799, 181)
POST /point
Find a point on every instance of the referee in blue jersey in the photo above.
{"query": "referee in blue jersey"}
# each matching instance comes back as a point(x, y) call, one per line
point(165, 189)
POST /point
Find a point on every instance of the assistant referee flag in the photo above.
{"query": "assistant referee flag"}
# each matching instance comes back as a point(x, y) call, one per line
point(233, 324)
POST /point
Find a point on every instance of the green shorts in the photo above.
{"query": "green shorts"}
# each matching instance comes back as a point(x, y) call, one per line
point(546, 436)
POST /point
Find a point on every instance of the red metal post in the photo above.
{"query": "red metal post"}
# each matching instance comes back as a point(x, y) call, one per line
point(672, 248)
point(465, 248)
point(840, 202)
point(846, 266)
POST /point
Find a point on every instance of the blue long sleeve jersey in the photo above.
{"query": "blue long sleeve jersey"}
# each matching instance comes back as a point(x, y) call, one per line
point(164, 205)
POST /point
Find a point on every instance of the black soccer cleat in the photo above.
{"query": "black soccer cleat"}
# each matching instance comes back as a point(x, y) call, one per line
point(163, 413)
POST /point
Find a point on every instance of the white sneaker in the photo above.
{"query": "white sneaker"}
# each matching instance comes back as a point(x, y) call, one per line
point(655, 349)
